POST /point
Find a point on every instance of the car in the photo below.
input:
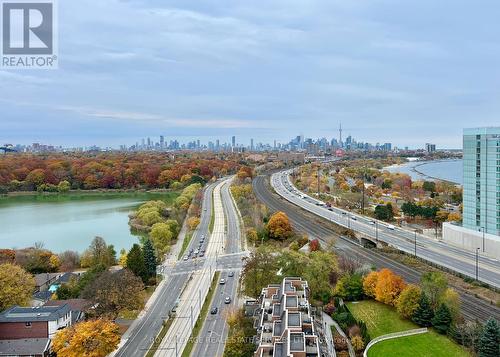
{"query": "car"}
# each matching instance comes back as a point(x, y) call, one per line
point(372, 222)
point(354, 218)
point(391, 227)
point(201, 254)
point(344, 213)
point(227, 300)
point(185, 258)
point(196, 252)
point(214, 310)
point(330, 209)
point(231, 274)
point(222, 281)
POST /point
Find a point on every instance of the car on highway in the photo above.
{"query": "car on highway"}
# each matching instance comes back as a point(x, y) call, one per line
point(354, 218)
point(201, 254)
point(371, 222)
point(222, 281)
point(391, 227)
point(227, 300)
point(196, 252)
point(185, 258)
point(214, 310)
point(231, 274)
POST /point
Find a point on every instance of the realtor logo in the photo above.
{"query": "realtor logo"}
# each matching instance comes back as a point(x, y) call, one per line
point(28, 34)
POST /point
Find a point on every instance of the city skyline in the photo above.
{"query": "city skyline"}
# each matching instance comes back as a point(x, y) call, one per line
point(413, 73)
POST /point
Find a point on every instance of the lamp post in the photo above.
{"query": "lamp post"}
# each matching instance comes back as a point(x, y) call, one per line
point(376, 231)
point(477, 264)
point(415, 242)
point(484, 233)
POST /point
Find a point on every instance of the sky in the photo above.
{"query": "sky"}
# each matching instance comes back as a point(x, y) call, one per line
point(406, 72)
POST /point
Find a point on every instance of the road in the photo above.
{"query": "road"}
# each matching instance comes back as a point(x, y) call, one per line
point(215, 329)
point(192, 298)
point(316, 227)
point(432, 250)
point(139, 337)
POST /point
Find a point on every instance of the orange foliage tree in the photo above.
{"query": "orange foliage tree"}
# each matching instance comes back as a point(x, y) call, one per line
point(389, 286)
point(369, 283)
point(279, 226)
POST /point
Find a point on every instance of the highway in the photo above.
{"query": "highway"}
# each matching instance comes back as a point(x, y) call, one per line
point(316, 227)
point(141, 334)
point(429, 249)
point(215, 329)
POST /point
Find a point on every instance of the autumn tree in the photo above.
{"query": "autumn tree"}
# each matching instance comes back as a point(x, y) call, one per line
point(93, 338)
point(389, 286)
point(193, 222)
point(112, 292)
point(279, 226)
point(407, 302)
point(452, 301)
point(98, 253)
point(16, 286)
point(369, 283)
point(161, 236)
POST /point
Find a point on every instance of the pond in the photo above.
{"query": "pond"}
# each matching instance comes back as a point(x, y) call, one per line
point(71, 221)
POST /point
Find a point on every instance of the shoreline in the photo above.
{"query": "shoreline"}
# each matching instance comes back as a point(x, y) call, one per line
point(413, 167)
point(85, 192)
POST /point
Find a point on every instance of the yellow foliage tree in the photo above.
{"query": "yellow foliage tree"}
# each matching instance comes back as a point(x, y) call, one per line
point(16, 286)
point(279, 226)
point(454, 217)
point(369, 283)
point(193, 222)
point(93, 338)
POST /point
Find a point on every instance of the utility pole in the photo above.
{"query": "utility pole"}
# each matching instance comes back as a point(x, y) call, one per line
point(376, 231)
point(477, 264)
point(192, 326)
point(364, 178)
point(318, 181)
point(415, 242)
point(484, 233)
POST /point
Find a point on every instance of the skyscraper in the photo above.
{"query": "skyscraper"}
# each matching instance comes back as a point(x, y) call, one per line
point(233, 141)
point(251, 144)
point(481, 197)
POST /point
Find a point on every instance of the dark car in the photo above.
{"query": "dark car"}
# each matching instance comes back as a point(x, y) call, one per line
point(231, 274)
point(214, 310)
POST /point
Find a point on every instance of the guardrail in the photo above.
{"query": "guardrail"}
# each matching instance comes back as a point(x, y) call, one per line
point(393, 335)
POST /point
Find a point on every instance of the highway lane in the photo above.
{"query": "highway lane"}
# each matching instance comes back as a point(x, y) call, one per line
point(472, 307)
point(194, 294)
point(215, 330)
point(436, 252)
point(141, 334)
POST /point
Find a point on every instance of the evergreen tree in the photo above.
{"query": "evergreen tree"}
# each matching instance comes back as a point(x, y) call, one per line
point(442, 319)
point(423, 314)
point(489, 343)
point(135, 262)
point(149, 258)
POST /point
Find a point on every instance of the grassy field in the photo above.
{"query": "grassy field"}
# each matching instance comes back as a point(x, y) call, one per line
point(381, 319)
point(185, 244)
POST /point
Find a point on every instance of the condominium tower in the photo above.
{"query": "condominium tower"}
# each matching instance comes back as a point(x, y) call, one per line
point(481, 196)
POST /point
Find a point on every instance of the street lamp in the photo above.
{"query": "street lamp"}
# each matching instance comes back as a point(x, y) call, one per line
point(415, 242)
point(376, 231)
point(484, 233)
point(477, 264)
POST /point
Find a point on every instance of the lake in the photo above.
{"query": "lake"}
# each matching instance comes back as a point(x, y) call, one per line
point(71, 221)
point(449, 170)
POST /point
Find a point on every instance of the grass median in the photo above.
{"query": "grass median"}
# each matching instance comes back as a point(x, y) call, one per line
point(157, 341)
point(185, 244)
point(201, 318)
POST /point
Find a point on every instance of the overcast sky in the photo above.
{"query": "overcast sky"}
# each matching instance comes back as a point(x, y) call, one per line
point(406, 72)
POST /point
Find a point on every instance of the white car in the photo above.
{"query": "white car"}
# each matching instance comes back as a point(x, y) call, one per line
point(222, 281)
point(391, 227)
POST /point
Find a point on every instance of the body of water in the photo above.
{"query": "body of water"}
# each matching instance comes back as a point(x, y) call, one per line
point(449, 170)
point(70, 222)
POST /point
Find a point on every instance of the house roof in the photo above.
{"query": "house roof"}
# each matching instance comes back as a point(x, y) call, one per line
point(43, 278)
point(24, 347)
point(42, 295)
point(77, 306)
point(28, 314)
